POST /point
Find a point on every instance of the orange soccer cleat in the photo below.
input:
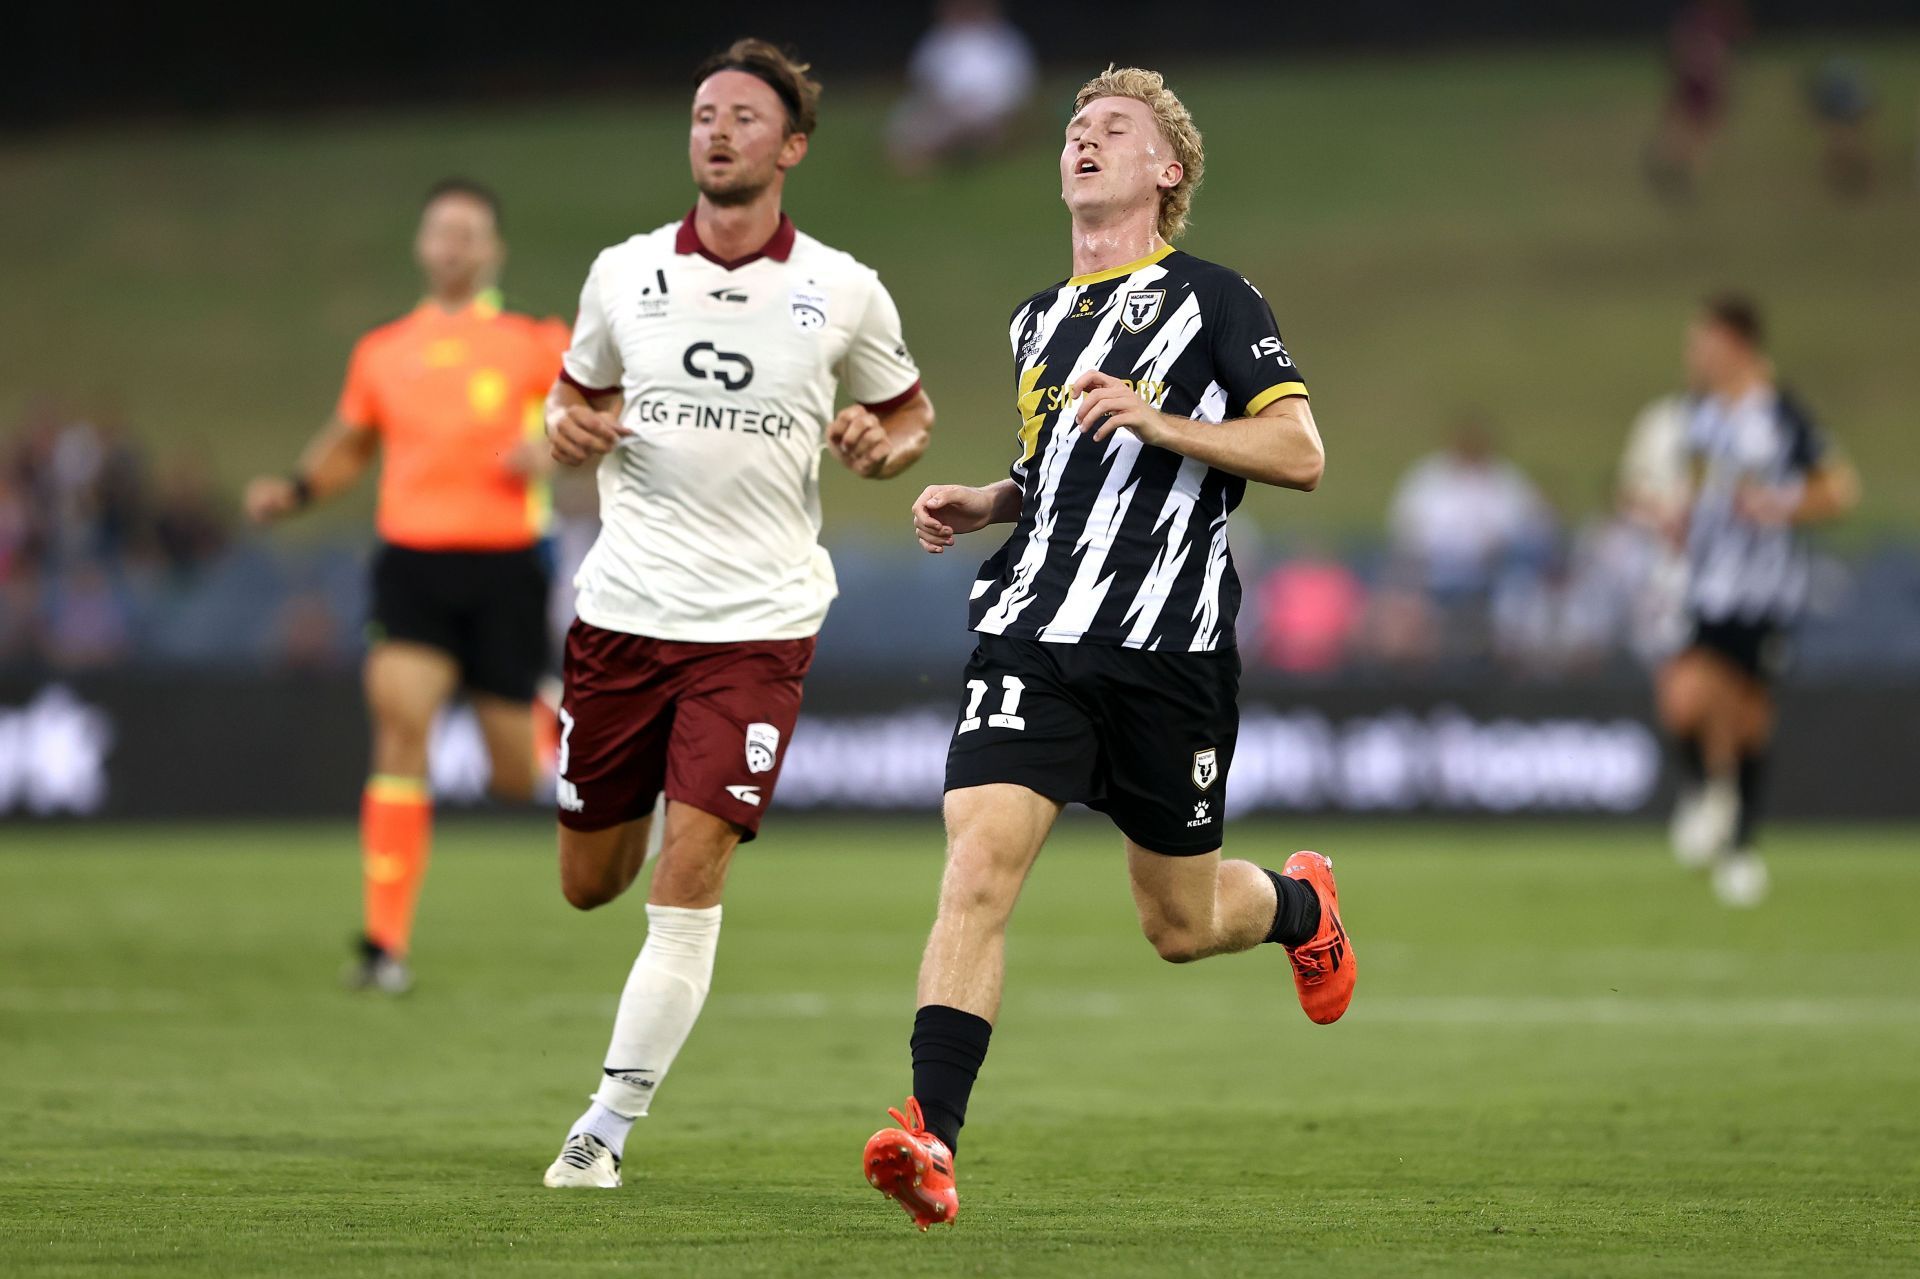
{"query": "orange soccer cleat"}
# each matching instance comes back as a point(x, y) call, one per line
point(913, 1168)
point(1323, 967)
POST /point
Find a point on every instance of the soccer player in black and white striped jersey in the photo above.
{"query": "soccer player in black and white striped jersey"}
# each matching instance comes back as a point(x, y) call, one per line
point(1762, 470)
point(1151, 386)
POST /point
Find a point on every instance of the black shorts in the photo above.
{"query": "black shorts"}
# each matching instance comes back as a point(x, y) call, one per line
point(1758, 648)
point(1146, 738)
point(488, 609)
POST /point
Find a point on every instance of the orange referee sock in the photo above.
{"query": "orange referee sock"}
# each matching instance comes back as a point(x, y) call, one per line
point(396, 828)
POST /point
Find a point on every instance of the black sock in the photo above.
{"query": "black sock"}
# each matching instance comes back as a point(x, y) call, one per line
point(1753, 789)
point(1693, 764)
point(948, 1047)
point(1296, 910)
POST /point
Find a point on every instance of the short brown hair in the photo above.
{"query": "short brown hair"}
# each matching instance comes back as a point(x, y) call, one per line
point(785, 74)
point(1739, 315)
point(476, 191)
point(1176, 125)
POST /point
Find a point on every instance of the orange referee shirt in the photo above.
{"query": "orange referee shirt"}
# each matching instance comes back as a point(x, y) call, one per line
point(453, 395)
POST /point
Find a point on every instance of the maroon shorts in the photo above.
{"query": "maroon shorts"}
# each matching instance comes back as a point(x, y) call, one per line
point(709, 723)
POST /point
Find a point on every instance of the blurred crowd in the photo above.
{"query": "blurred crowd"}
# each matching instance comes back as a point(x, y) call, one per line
point(110, 556)
point(85, 513)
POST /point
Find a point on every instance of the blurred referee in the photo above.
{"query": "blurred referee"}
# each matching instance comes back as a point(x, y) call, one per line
point(1761, 470)
point(451, 395)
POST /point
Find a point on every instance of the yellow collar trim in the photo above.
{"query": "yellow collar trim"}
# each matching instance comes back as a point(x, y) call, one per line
point(486, 304)
point(1115, 273)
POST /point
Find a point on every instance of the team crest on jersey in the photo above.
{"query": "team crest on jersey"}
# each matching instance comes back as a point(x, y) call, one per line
point(809, 310)
point(1141, 308)
point(1206, 767)
point(763, 745)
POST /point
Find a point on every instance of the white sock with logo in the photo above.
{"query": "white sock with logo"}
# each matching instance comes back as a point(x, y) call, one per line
point(661, 1001)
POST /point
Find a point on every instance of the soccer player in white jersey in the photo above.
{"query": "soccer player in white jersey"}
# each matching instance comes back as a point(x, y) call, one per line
point(1151, 387)
point(701, 380)
point(1762, 471)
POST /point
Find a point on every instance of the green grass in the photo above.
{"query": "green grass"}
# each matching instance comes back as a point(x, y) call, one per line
point(1563, 1060)
point(1436, 233)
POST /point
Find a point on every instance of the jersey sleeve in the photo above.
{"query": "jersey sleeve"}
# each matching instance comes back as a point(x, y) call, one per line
point(359, 405)
point(878, 370)
point(1806, 443)
point(1249, 359)
point(592, 361)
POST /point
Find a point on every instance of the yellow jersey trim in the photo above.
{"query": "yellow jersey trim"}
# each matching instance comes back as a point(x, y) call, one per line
point(1118, 271)
point(1272, 393)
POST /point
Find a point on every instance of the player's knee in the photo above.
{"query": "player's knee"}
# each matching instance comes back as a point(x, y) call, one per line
point(973, 890)
point(585, 893)
point(1680, 705)
point(1175, 944)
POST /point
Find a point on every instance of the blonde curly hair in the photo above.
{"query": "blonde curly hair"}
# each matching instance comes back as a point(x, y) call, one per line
point(1176, 125)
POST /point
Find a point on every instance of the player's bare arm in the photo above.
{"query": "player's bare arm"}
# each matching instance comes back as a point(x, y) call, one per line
point(333, 462)
point(1280, 445)
point(881, 446)
point(1830, 491)
point(582, 428)
point(944, 511)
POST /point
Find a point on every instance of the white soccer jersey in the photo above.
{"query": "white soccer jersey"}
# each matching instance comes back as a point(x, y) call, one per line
point(710, 510)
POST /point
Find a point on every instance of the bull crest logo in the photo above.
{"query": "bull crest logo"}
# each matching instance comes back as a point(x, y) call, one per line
point(1206, 767)
point(1141, 308)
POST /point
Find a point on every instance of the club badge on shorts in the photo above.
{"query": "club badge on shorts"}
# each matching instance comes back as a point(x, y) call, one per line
point(763, 745)
point(1206, 767)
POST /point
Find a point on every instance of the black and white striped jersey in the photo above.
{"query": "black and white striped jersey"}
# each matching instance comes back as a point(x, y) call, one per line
point(1740, 570)
point(1119, 542)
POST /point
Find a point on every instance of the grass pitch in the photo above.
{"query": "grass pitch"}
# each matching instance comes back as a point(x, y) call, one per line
point(1563, 1059)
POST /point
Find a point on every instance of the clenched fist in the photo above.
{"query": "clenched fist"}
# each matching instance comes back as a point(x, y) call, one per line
point(270, 497)
point(580, 434)
point(860, 442)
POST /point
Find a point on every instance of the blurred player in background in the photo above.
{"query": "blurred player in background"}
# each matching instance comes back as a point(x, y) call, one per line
point(1762, 471)
point(701, 382)
point(1151, 387)
point(1700, 59)
point(449, 397)
point(972, 74)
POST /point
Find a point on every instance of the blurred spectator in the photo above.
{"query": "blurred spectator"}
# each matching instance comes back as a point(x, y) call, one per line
point(969, 78)
point(1655, 472)
point(306, 628)
point(77, 510)
point(1700, 46)
point(86, 621)
point(189, 519)
point(1842, 103)
point(1562, 618)
point(18, 610)
point(16, 528)
point(1401, 627)
point(1460, 514)
point(1309, 608)
point(1642, 544)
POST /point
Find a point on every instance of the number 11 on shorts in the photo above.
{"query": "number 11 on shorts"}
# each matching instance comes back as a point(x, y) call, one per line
point(1005, 717)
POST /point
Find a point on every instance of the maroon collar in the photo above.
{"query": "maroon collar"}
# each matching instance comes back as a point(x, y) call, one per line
point(779, 248)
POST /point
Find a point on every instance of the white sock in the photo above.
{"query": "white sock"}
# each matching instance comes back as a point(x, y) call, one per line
point(662, 998)
point(609, 1126)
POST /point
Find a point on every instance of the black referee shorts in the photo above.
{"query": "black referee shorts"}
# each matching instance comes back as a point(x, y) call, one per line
point(488, 609)
point(1146, 738)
